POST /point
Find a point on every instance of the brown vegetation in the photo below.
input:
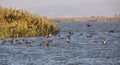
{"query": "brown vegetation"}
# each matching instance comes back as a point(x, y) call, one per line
point(19, 23)
point(89, 19)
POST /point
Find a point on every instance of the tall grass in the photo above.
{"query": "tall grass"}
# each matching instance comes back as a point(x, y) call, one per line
point(19, 23)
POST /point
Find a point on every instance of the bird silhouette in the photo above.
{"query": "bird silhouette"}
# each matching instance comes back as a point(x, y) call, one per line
point(88, 25)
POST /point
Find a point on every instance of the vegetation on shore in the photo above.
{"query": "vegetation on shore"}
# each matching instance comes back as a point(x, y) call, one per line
point(88, 19)
point(19, 23)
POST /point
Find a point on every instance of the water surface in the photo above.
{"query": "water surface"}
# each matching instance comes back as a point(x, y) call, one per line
point(81, 51)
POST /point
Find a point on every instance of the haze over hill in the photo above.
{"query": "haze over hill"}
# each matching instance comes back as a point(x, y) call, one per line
point(66, 8)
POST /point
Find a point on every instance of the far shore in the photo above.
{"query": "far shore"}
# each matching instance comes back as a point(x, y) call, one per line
point(87, 19)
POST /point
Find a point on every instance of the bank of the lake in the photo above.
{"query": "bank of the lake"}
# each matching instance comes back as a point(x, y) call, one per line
point(19, 23)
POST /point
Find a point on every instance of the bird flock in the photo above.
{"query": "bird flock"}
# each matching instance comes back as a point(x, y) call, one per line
point(48, 39)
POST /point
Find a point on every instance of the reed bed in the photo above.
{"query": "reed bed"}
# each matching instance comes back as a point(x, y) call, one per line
point(19, 23)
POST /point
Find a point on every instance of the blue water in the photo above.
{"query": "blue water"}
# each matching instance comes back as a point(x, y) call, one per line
point(82, 50)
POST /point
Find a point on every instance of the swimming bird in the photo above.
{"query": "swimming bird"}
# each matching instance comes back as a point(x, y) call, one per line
point(69, 38)
point(46, 44)
point(3, 42)
point(51, 40)
point(109, 31)
point(48, 36)
point(17, 41)
point(80, 34)
point(60, 38)
point(12, 41)
point(58, 35)
point(27, 42)
point(23, 40)
point(104, 42)
point(89, 35)
point(94, 42)
point(70, 33)
point(88, 25)
point(67, 42)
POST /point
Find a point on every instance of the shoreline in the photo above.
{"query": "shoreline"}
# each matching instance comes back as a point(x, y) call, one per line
point(86, 19)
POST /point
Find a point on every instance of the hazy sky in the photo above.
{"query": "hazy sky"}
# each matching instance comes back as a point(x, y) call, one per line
point(66, 8)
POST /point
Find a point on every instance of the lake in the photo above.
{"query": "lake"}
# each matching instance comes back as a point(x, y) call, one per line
point(85, 47)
